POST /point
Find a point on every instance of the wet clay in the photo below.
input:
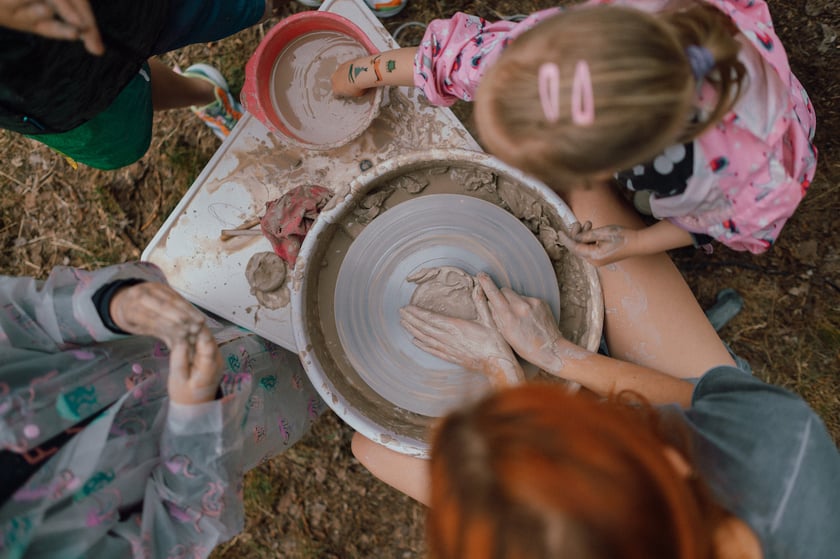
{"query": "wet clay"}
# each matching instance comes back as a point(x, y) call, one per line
point(445, 290)
point(576, 300)
point(266, 274)
point(301, 90)
point(540, 218)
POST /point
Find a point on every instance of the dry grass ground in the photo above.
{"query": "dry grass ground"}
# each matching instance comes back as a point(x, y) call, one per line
point(316, 500)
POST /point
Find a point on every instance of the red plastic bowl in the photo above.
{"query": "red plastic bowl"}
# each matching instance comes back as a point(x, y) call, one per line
point(256, 92)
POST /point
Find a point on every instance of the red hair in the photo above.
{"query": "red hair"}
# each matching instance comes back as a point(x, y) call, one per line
point(535, 472)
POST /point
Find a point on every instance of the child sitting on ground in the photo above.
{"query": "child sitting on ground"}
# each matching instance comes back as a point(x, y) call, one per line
point(690, 104)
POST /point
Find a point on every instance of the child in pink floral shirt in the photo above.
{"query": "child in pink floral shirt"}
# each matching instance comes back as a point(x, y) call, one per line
point(690, 104)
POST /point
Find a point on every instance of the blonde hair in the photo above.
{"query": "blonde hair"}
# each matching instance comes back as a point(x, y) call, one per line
point(644, 89)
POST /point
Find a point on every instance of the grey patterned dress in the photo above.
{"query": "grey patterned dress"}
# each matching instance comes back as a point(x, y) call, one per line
point(113, 467)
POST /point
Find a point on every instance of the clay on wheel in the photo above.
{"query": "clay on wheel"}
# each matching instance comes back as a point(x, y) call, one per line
point(446, 290)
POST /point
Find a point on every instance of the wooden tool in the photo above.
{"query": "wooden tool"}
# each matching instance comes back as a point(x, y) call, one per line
point(243, 230)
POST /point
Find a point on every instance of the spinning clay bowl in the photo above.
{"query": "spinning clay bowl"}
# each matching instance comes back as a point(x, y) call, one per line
point(427, 209)
point(287, 81)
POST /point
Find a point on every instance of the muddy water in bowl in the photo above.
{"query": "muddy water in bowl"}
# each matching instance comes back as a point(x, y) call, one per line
point(302, 94)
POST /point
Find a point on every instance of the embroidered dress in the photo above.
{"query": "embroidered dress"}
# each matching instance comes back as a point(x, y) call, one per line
point(117, 469)
point(748, 174)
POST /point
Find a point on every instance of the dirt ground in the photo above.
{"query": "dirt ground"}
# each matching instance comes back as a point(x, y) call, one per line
point(316, 500)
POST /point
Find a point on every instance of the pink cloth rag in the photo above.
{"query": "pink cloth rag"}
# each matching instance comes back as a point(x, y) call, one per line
point(288, 219)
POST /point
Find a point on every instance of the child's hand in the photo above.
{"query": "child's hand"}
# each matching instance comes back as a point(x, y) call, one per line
point(601, 246)
point(343, 81)
point(69, 20)
point(155, 309)
point(195, 369)
point(474, 345)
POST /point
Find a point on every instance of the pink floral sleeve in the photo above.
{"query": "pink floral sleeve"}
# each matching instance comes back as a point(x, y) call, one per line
point(760, 160)
point(455, 53)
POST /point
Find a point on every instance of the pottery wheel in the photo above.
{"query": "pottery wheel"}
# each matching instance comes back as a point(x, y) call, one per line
point(428, 232)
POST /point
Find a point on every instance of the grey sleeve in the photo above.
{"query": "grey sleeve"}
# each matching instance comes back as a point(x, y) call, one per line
point(769, 458)
point(47, 316)
point(192, 499)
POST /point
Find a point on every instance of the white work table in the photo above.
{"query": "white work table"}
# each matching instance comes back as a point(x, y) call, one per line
point(253, 166)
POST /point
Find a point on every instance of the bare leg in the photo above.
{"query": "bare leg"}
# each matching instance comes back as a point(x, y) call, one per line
point(405, 473)
point(174, 91)
point(651, 315)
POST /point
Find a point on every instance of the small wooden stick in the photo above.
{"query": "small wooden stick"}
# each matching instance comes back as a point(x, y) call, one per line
point(228, 234)
point(242, 229)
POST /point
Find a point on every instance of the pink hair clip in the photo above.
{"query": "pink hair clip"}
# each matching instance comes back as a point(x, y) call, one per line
point(549, 86)
point(583, 101)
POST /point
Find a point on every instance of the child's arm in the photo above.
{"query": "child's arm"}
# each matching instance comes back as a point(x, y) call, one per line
point(612, 243)
point(450, 60)
point(393, 67)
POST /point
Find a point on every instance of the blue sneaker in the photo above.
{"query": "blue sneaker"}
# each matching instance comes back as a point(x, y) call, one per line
point(222, 114)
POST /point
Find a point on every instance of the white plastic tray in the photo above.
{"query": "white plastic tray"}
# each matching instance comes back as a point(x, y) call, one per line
point(253, 166)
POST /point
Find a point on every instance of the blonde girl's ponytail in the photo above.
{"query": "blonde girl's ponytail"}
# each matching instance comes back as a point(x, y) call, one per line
point(699, 27)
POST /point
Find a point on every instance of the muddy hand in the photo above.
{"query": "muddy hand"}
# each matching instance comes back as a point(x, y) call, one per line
point(195, 369)
point(474, 345)
point(600, 246)
point(55, 19)
point(155, 309)
point(342, 82)
point(526, 323)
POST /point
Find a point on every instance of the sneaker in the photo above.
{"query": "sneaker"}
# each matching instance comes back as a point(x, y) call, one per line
point(382, 8)
point(728, 304)
point(222, 114)
point(385, 8)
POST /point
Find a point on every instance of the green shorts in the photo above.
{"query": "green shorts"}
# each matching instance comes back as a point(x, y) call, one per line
point(116, 137)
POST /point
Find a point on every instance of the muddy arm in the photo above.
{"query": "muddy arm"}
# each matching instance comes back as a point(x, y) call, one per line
point(393, 67)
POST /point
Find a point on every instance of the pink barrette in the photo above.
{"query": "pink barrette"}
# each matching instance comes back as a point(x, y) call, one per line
point(583, 101)
point(549, 85)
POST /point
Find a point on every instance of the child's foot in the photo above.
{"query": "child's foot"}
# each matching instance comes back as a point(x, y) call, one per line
point(222, 114)
point(382, 8)
point(386, 8)
point(729, 303)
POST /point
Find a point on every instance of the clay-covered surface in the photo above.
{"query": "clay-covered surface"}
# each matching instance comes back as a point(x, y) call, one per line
point(316, 501)
point(413, 212)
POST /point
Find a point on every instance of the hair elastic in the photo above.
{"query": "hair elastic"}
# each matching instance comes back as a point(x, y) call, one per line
point(583, 102)
point(701, 60)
